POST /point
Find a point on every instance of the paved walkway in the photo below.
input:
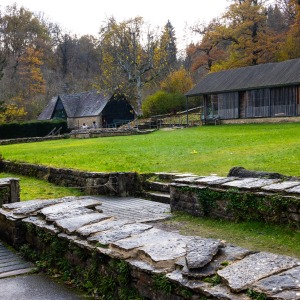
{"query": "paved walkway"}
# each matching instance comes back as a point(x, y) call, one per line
point(134, 209)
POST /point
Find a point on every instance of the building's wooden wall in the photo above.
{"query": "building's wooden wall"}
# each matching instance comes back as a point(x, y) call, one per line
point(257, 103)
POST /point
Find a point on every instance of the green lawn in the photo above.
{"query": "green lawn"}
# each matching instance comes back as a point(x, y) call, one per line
point(200, 150)
point(251, 235)
point(32, 188)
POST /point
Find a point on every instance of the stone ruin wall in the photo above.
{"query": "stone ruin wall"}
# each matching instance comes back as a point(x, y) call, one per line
point(231, 198)
point(9, 190)
point(92, 183)
point(31, 140)
point(237, 199)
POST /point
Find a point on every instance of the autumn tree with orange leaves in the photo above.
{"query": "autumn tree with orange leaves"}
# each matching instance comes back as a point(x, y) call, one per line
point(290, 48)
point(241, 37)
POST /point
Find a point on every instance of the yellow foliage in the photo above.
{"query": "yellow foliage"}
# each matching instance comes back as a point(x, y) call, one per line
point(12, 112)
point(291, 47)
point(177, 82)
point(31, 73)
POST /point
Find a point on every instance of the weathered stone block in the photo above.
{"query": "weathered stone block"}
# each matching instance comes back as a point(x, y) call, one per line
point(201, 251)
point(70, 225)
point(279, 284)
point(281, 186)
point(243, 274)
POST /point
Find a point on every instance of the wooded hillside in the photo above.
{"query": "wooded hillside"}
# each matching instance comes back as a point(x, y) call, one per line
point(39, 60)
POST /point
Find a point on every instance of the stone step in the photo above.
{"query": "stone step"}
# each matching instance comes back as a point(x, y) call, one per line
point(11, 264)
point(158, 197)
point(157, 186)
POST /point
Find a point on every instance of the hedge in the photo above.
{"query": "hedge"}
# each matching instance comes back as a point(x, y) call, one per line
point(31, 129)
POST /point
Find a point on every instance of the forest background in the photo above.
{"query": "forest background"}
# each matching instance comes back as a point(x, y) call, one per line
point(39, 60)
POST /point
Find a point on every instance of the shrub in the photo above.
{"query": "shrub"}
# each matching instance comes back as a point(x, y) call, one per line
point(163, 103)
point(31, 129)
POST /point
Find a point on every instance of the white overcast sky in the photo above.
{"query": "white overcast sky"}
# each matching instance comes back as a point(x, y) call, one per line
point(86, 16)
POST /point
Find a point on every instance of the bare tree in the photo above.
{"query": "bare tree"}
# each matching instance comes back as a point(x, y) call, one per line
point(131, 57)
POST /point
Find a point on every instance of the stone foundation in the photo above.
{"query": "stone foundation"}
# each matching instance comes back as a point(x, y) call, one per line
point(261, 120)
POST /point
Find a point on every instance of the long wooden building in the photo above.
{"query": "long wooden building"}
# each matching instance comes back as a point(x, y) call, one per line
point(263, 91)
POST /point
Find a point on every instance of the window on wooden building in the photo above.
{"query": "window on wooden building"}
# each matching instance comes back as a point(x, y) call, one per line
point(212, 105)
point(284, 101)
point(258, 104)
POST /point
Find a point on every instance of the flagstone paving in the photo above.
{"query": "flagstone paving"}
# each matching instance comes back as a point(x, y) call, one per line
point(124, 228)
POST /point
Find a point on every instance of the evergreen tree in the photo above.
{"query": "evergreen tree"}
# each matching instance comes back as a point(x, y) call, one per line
point(168, 45)
point(276, 20)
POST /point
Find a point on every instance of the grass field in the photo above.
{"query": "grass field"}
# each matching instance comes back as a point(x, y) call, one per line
point(251, 235)
point(32, 188)
point(199, 150)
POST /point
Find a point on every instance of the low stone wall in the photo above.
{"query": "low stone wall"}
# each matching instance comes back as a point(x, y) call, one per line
point(105, 132)
point(9, 190)
point(92, 183)
point(120, 259)
point(32, 139)
point(268, 200)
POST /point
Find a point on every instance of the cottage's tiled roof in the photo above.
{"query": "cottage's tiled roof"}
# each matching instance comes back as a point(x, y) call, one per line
point(84, 104)
point(284, 73)
point(48, 111)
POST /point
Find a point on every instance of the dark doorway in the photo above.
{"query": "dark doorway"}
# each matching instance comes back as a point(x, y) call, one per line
point(117, 112)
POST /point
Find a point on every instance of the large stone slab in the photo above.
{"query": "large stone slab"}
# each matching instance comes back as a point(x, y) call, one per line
point(68, 213)
point(33, 206)
point(37, 202)
point(67, 206)
point(200, 251)
point(189, 179)
point(106, 237)
point(287, 295)
point(153, 235)
point(243, 274)
point(163, 254)
point(226, 255)
point(70, 225)
point(9, 215)
point(259, 183)
point(106, 224)
point(295, 190)
point(241, 183)
point(214, 180)
point(281, 186)
point(286, 283)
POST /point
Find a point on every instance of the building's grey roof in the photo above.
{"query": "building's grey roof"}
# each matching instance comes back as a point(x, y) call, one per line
point(84, 104)
point(284, 73)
